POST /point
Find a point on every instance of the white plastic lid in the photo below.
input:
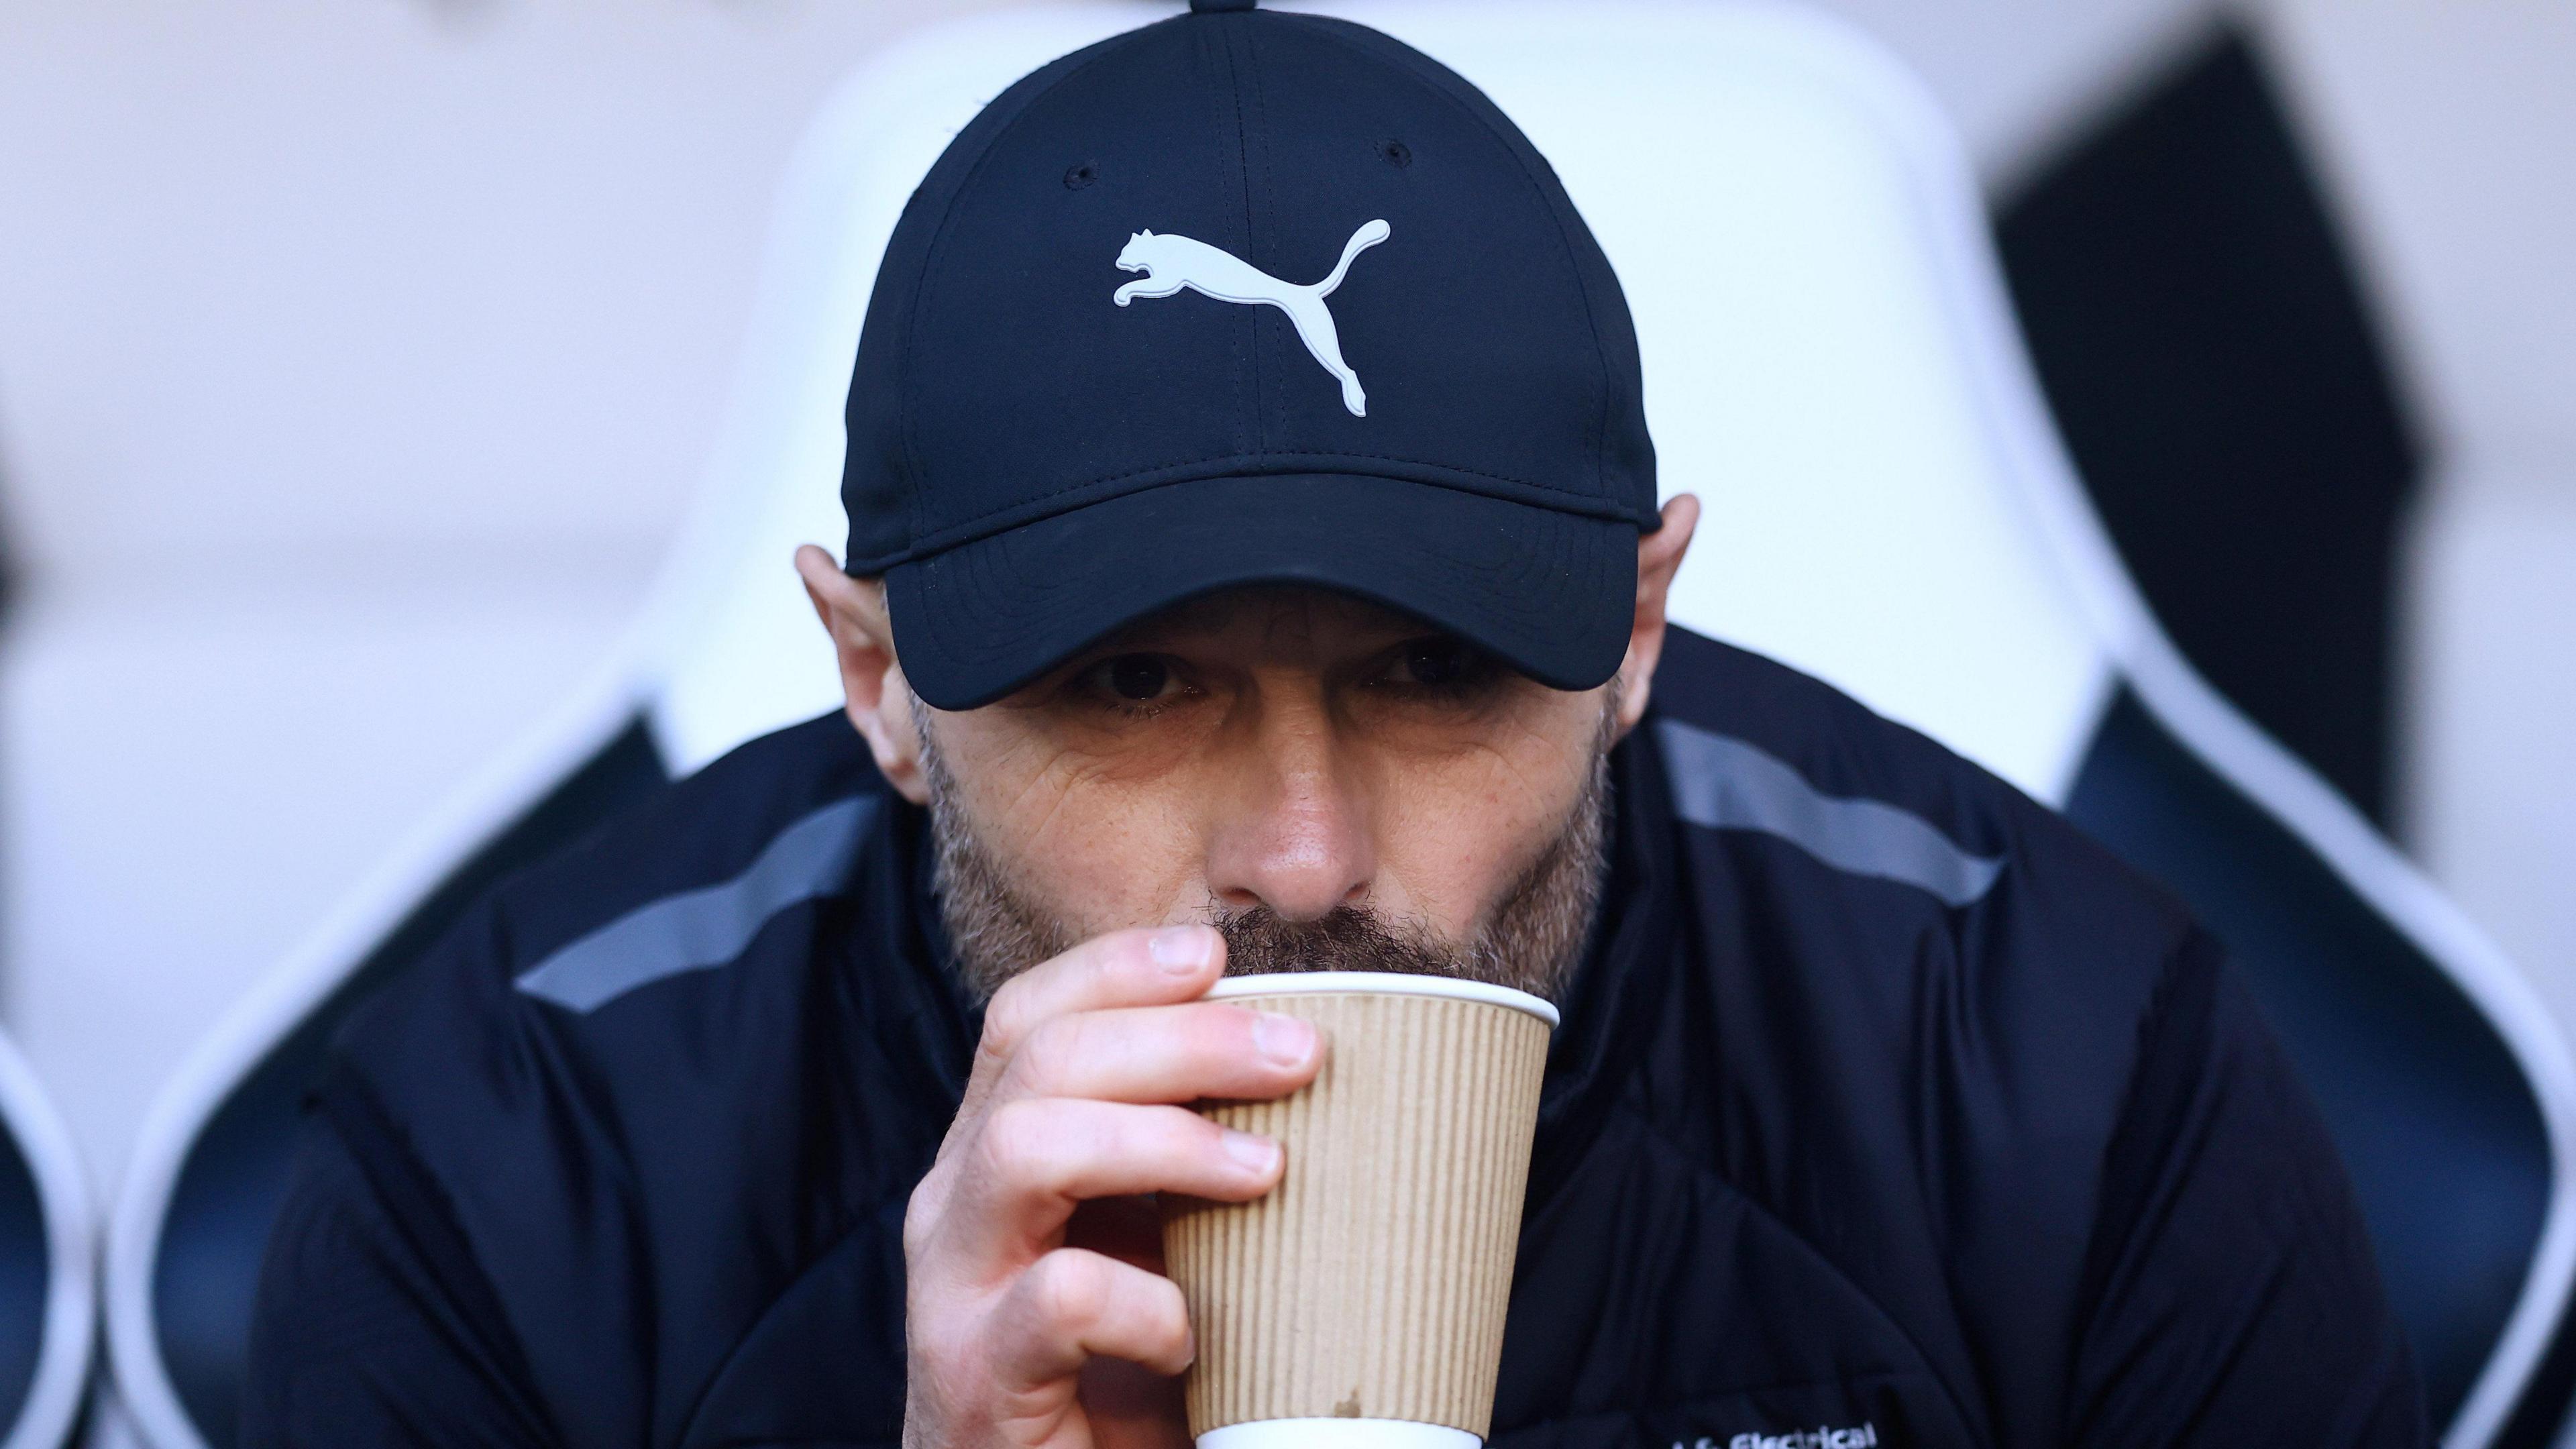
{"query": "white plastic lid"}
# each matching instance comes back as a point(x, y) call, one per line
point(1340, 1433)
point(1394, 983)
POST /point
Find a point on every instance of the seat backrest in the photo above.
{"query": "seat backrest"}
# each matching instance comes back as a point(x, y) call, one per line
point(1830, 363)
point(2238, 425)
point(215, 1160)
point(47, 1297)
point(2441, 1126)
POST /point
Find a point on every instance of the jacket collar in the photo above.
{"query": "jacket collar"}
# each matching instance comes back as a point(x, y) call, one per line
point(1609, 1008)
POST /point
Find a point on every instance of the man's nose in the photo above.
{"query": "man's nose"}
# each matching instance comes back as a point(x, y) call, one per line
point(1293, 830)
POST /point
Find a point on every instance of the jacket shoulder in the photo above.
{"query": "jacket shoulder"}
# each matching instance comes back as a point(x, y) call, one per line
point(777, 813)
point(631, 1076)
point(1750, 744)
point(1864, 896)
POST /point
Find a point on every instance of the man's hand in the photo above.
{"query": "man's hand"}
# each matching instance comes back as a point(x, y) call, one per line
point(1016, 1307)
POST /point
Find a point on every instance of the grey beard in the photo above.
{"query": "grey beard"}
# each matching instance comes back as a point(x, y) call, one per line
point(1532, 944)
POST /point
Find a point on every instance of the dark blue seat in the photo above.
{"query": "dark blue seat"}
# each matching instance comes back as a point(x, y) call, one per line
point(47, 1293)
point(2436, 1120)
point(233, 1176)
point(2209, 353)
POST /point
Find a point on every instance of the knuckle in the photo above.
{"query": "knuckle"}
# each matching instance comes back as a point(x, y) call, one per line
point(1190, 1132)
point(917, 1214)
point(1223, 1030)
point(1004, 1019)
point(1070, 1290)
point(1165, 1131)
point(1047, 1057)
point(1123, 947)
point(1169, 1316)
point(1111, 961)
point(1015, 1141)
point(922, 1211)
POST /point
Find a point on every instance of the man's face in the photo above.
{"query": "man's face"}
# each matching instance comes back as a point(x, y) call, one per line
point(1334, 785)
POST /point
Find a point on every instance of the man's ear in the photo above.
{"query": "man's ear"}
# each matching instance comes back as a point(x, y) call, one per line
point(853, 612)
point(1659, 558)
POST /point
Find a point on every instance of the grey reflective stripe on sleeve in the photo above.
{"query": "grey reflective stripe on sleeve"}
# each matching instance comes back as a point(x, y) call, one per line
point(1724, 783)
point(709, 927)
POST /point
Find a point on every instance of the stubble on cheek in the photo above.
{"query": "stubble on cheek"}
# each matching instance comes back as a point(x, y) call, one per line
point(1531, 940)
point(994, 933)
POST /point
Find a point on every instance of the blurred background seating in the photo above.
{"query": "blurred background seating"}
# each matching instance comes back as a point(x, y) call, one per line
point(48, 1242)
point(2213, 366)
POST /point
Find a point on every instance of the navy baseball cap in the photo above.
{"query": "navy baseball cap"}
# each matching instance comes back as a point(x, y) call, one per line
point(1244, 297)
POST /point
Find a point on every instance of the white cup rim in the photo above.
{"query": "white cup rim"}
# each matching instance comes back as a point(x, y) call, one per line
point(1381, 983)
point(1337, 1433)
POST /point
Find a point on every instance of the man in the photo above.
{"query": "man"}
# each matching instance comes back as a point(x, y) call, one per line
point(1254, 566)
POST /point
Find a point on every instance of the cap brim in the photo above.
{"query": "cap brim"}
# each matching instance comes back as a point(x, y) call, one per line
point(1551, 593)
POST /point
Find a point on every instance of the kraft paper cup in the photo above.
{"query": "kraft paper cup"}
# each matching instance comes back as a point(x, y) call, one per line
point(1360, 1304)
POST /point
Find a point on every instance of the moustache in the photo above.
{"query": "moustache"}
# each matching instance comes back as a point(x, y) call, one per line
point(1259, 943)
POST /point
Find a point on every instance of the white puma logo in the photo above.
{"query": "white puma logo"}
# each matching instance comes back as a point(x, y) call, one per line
point(1174, 262)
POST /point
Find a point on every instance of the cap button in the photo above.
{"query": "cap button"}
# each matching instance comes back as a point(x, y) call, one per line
point(1211, 7)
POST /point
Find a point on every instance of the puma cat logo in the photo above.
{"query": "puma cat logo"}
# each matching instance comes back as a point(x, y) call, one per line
point(1174, 262)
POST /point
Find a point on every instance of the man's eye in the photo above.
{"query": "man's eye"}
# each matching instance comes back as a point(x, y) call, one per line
point(1442, 664)
point(1138, 676)
point(1135, 678)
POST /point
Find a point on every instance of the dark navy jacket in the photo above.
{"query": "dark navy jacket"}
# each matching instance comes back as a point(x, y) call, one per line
point(1884, 1102)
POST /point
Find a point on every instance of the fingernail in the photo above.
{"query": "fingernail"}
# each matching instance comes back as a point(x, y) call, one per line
point(1179, 949)
point(1255, 1155)
point(1285, 1040)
